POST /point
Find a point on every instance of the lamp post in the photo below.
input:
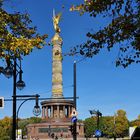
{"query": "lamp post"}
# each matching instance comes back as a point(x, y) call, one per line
point(14, 101)
point(98, 114)
point(20, 85)
point(9, 71)
point(74, 98)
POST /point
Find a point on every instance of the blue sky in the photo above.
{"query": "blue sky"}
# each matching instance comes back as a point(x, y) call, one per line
point(100, 85)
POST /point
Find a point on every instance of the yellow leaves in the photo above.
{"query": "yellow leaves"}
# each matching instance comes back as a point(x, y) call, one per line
point(21, 46)
point(81, 7)
point(4, 15)
point(76, 8)
point(89, 2)
point(17, 37)
point(5, 122)
point(2, 54)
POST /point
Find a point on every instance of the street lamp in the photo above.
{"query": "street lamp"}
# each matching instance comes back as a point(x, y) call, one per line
point(20, 84)
point(9, 71)
point(36, 110)
point(75, 96)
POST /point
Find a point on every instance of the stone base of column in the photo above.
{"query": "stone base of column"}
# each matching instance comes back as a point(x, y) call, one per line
point(52, 130)
point(56, 121)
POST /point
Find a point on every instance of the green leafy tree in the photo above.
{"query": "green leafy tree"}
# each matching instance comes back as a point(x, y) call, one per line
point(90, 125)
point(123, 31)
point(107, 126)
point(110, 126)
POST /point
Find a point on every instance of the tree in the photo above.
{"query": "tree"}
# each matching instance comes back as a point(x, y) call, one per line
point(107, 126)
point(138, 117)
point(110, 126)
point(121, 124)
point(22, 124)
point(123, 31)
point(5, 128)
point(17, 36)
point(90, 125)
point(135, 122)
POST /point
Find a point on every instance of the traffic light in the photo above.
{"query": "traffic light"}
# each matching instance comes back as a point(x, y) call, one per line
point(1, 102)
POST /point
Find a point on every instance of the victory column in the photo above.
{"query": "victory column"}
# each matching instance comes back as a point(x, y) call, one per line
point(56, 112)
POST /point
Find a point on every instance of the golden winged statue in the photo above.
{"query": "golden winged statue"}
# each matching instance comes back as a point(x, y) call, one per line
point(56, 19)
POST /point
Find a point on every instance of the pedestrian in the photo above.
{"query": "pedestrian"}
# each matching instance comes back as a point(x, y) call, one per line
point(56, 138)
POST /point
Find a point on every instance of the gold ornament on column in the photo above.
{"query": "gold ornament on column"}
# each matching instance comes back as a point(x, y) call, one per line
point(56, 19)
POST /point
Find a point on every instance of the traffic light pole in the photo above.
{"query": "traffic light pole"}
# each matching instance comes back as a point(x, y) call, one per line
point(74, 96)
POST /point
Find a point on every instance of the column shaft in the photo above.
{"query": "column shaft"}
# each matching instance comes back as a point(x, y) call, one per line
point(69, 111)
point(51, 111)
point(64, 111)
point(43, 112)
point(46, 112)
point(58, 112)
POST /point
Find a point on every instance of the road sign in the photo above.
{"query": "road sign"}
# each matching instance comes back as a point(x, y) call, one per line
point(98, 133)
point(19, 134)
point(74, 113)
point(74, 119)
point(1, 102)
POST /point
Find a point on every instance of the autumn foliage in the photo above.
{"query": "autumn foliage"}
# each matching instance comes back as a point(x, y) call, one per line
point(17, 36)
point(123, 31)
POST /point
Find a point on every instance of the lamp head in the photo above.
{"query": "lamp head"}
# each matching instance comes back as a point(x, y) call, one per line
point(20, 84)
point(1, 70)
point(92, 112)
point(36, 110)
point(8, 71)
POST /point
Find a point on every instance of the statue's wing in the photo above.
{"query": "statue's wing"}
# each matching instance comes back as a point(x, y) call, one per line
point(53, 13)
